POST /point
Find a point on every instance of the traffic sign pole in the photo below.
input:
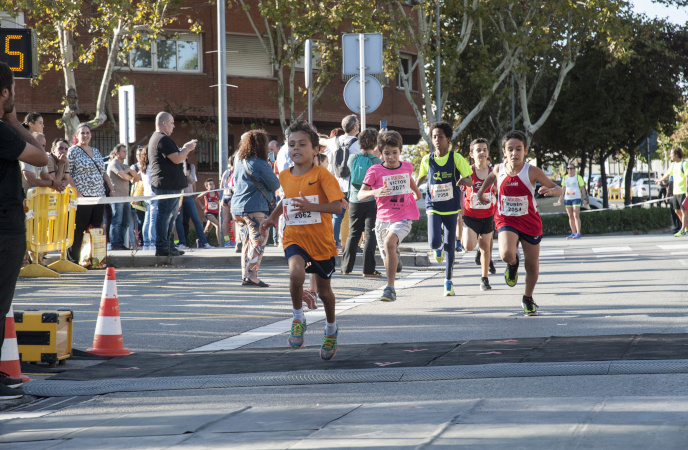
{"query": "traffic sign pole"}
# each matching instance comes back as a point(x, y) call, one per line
point(309, 78)
point(362, 77)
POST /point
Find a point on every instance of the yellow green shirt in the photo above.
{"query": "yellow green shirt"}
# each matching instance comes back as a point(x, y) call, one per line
point(460, 162)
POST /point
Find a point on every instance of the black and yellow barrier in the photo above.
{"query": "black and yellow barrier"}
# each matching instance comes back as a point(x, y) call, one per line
point(50, 227)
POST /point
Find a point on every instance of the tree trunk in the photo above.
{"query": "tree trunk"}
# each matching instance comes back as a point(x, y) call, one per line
point(589, 173)
point(603, 180)
point(103, 94)
point(629, 177)
point(70, 118)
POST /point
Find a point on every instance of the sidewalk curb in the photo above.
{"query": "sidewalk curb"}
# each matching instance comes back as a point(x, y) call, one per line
point(65, 388)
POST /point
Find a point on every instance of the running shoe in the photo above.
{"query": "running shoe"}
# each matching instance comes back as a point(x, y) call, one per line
point(296, 336)
point(492, 268)
point(485, 284)
point(375, 274)
point(681, 233)
point(11, 382)
point(511, 274)
point(400, 265)
point(571, 236)
point(8, 393)
point(208, 246)
point(310, 298)
point(577, 236)
point(182, 247)
point(229, 244)
point(459, 247)
point(329, 346)
point(439, 255)
point(529, 306)
point(389, 294)
point(448, 289)
point(477, 257)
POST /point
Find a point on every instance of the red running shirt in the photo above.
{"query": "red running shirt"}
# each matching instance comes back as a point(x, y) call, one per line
point(212, 203)
point(516, 205)
point(472, 207)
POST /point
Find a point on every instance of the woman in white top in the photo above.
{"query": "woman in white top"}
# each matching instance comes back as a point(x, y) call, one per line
point(151, 205)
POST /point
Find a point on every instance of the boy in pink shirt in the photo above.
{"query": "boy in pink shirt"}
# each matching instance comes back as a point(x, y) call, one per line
point(395, 192)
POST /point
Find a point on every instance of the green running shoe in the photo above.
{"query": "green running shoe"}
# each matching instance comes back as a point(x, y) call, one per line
point(448, 289)
point(511, 274)
point(529, 306)
point(329, 346)
point(439, 255)
point(296, 336)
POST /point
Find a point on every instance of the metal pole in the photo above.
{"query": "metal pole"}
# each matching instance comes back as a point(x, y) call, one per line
point(362, 82)
point(309, 76)
point(513, 105)
point(438, 85)
point(222, 96)
point(126, 126)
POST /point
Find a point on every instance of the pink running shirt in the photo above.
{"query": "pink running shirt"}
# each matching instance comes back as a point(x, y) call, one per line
point(395, 207)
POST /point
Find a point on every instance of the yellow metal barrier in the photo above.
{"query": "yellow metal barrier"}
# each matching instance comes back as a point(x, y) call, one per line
point(50, 219)
point(614, 194)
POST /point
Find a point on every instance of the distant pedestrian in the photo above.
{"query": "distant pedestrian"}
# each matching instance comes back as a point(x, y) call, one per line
point(227, 223)
point(120, 176)
point(210, 202)
point(188, 211)
point(151, 205)
point(167, 178)
point(574, 195)
point(679, 171)
point(254, 190)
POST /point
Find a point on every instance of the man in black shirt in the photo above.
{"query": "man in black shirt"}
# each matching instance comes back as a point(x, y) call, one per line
point(167, 177)
point(16, 144)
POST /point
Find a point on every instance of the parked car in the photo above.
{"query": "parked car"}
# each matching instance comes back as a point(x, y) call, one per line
point(641, 190)
point(546, 204)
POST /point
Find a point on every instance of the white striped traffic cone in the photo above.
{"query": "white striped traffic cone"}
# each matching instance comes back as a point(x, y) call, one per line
point(107, 340)
point(9, 361)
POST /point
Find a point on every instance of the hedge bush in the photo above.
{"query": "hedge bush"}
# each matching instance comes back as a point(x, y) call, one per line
point(637, 220)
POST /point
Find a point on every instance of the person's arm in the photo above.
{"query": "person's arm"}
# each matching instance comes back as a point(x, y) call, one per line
point(180, 157)
point(487, 184)
point(198, 202)
point(301, 204)
point(581, 184)
point(109, 183)
point(423, 171)
point(267, 223)
point(367, 192)
point(464, 169)
point(561, 197)
point(548, 188)
point(32, 181)
point(416, 192)
point(666, 175)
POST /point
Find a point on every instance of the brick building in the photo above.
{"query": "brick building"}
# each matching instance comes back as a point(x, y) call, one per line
point(176, 75)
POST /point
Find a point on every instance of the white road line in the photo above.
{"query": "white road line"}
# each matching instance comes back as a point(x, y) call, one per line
point(611, 249)
point(673, 247)
point(615, 255)
point(283, 326)
point(679, 253)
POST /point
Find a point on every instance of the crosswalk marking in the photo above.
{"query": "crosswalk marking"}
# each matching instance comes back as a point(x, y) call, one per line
point(674, 247)
point(624, 248)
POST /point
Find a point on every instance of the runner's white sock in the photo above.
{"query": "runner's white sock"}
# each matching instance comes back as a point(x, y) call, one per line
point(299, 315)
point(330, 328)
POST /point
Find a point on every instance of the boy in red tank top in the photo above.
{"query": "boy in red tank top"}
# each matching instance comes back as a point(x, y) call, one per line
point(517, 218)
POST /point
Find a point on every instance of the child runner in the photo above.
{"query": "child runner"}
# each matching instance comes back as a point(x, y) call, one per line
point(517, 217)
point(447, 171)
point(572, 184)
point(211, 209)
point(392, 185)
point(311, 196)
point(479, 218)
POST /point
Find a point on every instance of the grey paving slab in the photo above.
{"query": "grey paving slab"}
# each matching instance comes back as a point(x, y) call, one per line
point(280, 419)
point(257, 440)
point(48, 427)
point(160, 423)
point(390, 425)
point(32, 445)
point(120, 443)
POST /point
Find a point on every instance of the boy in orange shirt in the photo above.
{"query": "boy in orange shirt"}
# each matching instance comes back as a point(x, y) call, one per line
point(311, 196)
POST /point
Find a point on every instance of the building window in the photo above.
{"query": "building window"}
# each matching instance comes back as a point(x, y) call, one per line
point(209, 154)
point(178, 53)
point(246, 57)
point(406, 63)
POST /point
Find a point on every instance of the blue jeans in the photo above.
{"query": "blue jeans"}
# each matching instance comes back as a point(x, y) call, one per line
point(164, 223)
point(189, 211)
point(149, 223)
point(337, 225)
point(121, 214)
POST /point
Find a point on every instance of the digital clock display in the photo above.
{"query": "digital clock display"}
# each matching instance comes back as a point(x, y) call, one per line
point(18, 49)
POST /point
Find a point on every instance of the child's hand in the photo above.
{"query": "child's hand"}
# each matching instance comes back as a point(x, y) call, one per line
point(483, 199)
point(546, 191)
point(301, 204)
point(384, 191)
point(465, 181)
point(344, 203)
point(264, 227)
point(558, 203)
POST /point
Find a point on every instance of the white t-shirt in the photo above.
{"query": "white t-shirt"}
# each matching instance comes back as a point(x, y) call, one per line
point(332, 145)
point(283, 161)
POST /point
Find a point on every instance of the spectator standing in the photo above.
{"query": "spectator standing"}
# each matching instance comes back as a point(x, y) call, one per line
point(189, 211)
point(138, 208)
point(34, 176)
point(167, 177)
point(88, 172)
point(16, 144)
point(362, 213)
point(151, 205)
point(227, 222)
point(254, 187)
point(120, 175)
point(338, 152)
point(34, 122)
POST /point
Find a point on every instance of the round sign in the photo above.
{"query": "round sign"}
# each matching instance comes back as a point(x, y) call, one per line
point(373, 94)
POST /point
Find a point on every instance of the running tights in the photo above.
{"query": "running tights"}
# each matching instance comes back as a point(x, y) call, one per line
point(435, 238)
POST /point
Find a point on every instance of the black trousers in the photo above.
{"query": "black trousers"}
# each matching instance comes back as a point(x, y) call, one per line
point(12, 249)
point(85, 215)
point(361, 218)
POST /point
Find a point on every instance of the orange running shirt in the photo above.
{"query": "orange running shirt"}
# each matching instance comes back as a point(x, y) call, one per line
point(317, 239)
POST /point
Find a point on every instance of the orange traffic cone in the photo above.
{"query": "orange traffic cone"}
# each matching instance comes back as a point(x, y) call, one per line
point(107, 340)
point(9, 361)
